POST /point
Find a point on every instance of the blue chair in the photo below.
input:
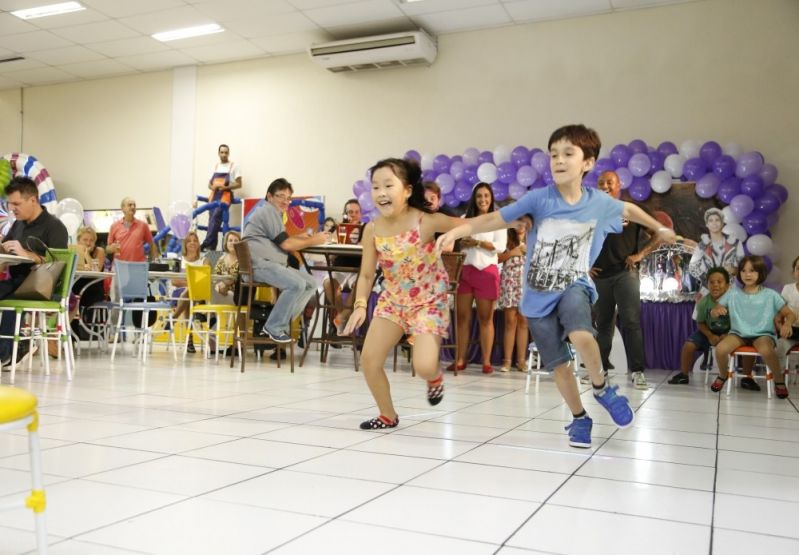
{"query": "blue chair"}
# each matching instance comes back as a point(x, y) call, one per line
point(132, 282)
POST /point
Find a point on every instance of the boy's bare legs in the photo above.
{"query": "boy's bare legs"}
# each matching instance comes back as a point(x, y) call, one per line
point(567, 386)
point(588, 349)
point(381, 338)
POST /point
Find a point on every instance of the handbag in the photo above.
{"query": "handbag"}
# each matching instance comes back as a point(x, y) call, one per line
point(42, 279)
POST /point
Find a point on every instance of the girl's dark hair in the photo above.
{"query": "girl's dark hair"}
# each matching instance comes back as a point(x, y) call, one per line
point(513, 239)
point(471, 208)
point(719, 270)
point(795, 260)
point(410, 174)
point(758, 264)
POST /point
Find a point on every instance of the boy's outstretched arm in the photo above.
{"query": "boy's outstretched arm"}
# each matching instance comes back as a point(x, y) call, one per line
point(481, 224)
point(635, 214)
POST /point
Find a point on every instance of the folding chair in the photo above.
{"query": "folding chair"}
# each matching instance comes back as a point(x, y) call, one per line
point(199, 286)
point(132, 281)
point(39, 311)
point(747, 351)
point(793, 351)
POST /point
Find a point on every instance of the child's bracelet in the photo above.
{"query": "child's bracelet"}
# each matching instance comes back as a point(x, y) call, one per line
point(360, 303)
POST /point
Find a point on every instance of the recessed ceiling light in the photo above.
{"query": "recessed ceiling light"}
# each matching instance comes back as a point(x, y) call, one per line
point(187, 32)
point(50, 9)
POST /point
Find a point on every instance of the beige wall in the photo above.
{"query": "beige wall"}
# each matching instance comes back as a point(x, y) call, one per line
point(9, 121)
point(715, 69)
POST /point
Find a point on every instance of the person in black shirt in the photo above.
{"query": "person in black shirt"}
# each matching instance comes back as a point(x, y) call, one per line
point(615, 274)
point(32, 220)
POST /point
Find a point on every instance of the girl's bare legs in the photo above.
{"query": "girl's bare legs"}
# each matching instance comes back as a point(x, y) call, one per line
point(522, 340)
point(464, 308)
point(381, 338)
point(765, 346)
point(426, 349)
point(511, 316)
point(485, 317)
point(723, 349)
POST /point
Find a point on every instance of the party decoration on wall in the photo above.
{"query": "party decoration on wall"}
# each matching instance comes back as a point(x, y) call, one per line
point(180, 217)
point(70, 212)
point(29, 166)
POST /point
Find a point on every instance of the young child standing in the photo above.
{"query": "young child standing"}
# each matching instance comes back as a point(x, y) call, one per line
point(711, 330)
point(414, 300)
point(570, 223)
point(510, 297)
point(753, 311)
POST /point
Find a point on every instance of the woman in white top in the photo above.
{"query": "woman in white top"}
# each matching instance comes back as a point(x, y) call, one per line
point(791, 294)
point(479, 280)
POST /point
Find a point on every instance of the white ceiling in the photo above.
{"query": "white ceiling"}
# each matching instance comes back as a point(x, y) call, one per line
point(112, 37)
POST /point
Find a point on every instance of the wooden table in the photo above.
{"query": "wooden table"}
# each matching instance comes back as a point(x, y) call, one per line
point(329, 252)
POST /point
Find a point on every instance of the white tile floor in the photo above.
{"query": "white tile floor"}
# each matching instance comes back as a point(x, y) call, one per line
point(197, 458)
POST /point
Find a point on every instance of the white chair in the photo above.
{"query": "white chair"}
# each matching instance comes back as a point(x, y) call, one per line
point(747, 351)
point(534, 365)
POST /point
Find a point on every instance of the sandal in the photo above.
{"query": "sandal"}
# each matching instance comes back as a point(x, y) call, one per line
point(380, 423)
point(505, 366)
point(456, 367)
point(718, 384)
point(781, 390)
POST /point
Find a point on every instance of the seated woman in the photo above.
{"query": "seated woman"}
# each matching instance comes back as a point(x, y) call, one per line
point(227, 265)
point(191, 257)
point(92, 258)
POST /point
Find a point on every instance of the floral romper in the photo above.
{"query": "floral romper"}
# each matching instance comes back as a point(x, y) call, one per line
point(510, 283)
point(415, 284)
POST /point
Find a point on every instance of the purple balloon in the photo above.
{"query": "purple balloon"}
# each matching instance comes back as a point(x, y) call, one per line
point(451, 200)
point(441, 163)
point(778, 191)
point(749, 164)
point(666, 148)
point(768, 173)
point(694, 168)
point(540, 162)
point(463, 191)
point(539, 184)
point(729, 189)
point(752, 186)
point(620, 154)
point(429, 175)
point(639, 164)
point(637, 145)
point(755, 222)
point(180, 223)
point(625, 177)
point(724, 166)
point(526, 176)
point(456, 158)
point(457, 170)
point(520, 156)
point(485, 156)
point(709, 152)
point(772, 218)
point(604, 165)
point(768, 203)
point(366, 202)
point(413, 155)
point(708, 185)
point(500, 191)
point(590, 179)
point(547, 176)
point(640, 190)
point(656, 160)
point(742, 206)
point(506, 173)
point(470, 177)
point(360, 187)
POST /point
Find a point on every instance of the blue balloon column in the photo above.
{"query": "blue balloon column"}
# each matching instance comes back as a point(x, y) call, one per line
point(742, 182)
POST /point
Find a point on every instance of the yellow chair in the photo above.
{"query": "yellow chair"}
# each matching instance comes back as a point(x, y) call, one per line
point(18, 410)
point(199, 287)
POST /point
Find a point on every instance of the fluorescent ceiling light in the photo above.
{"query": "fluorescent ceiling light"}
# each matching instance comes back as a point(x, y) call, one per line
point(50, 9)
point(187, 32)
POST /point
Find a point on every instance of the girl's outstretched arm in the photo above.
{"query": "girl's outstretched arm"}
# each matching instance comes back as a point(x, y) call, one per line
point(366, 278)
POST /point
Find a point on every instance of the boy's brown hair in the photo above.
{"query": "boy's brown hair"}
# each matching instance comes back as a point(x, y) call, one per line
point(579, 135)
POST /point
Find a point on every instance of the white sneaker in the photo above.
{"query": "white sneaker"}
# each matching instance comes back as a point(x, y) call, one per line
point(585, 380)
point(639, 381)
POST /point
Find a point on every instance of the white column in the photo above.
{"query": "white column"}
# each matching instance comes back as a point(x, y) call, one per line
point(184, 102)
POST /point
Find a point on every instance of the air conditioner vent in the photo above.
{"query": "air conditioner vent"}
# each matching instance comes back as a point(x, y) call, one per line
point(377, 52)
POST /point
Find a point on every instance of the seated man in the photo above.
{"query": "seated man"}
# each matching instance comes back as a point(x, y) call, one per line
point(344, 281)
point(32, 221)
point(269, 245)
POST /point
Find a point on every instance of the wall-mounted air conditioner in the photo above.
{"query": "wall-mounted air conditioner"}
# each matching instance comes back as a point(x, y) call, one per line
point(382, 51)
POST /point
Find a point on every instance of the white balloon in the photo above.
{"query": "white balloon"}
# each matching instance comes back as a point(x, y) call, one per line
point(179, 207)
point(71, 222)
point(733, 149)
point(69, 206)
point(690, 148)
point(487, 172)
point(427, 161)
point(501, 154)
point(729, 216)
point(674, 164)
point(661, 181)
point(735, 230)
point(759, 244)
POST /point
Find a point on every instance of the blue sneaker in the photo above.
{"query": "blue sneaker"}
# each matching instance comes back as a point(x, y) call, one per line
point(277, 337)
point(617, 405)
point(580, 432)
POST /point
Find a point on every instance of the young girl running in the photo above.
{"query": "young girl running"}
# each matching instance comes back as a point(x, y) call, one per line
point(510, 296)
point(752, 310)
point(414, 300)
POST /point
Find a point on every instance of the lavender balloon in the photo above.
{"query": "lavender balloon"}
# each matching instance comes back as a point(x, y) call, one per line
point(441, 163)
point(366, 202)
point(516, 190)
point(742, 206)
point(413, 155)
point(749, 164)
point(180, 224)
point(457, 170)
point(526, 176)
point(639, 164)
point(547, 176)
point(540, 162)
point(471, 156)
point(708, 185)
point(446, 182)
point(625, 177)
point(768, 173)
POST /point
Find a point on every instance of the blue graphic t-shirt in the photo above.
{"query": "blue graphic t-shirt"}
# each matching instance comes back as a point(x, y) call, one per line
point(563, 244)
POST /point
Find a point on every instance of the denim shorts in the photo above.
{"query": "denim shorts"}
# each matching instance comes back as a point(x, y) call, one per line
point(572, 313)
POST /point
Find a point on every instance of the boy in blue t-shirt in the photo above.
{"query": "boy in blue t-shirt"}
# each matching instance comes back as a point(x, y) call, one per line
point(570, 223)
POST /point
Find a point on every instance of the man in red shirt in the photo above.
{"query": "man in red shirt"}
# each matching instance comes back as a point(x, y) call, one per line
point(127, 236)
